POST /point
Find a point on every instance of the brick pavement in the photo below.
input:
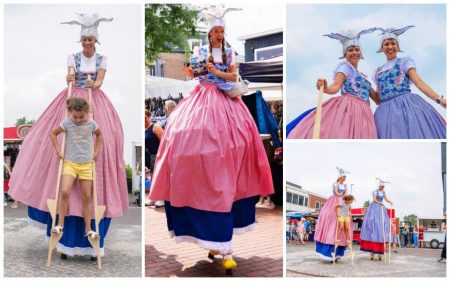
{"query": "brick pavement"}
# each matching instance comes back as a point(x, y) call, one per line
point(258, 253)
point(301, 261)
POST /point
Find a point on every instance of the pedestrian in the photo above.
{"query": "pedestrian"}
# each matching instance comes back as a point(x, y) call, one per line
point(326, 227)
point(411, 236)
point(343, 211)
point(153, 135)
point(301, 231)
point(416, 236)
point(211, 164)
point(444, 249)
point(307, 228)
point(394, 236)
point(348, 116)
point(402, 114)
point(405, 231)
point(79, 153)
point(421, 232)
point(375, 229)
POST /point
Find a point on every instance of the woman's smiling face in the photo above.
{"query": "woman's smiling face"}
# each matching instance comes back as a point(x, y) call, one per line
point(353, 54)
point(390, 48)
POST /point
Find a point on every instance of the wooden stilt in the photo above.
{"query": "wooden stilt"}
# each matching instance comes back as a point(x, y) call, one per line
point(52, 204)
point(317, 120)
point(99, 210)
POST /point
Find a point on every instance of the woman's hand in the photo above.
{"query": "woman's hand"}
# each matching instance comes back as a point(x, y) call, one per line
point(212, 69)
point(60, 154)
point(443, 102)
point(95, 156)
point(70, 78)
point(321, 82)
point(188, 71)
point(90, 83)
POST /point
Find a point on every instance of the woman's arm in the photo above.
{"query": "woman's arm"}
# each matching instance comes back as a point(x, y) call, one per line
point(71, 74)
point(424, 88)
point(387, 200)
point(332, 89)
point(94, 85)
point(98, 142)
point(53, 137)
point(375, 96)
point(231, 75)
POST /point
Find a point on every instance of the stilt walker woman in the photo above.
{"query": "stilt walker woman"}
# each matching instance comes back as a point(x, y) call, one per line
point(327, 224)
point(375, 231)
point(401, 113)
point(36, 169)
point(211, 164)
point(348, 116)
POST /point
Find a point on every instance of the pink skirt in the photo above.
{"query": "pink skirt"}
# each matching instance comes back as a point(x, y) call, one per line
point(211, 154)
point(35, 172)
point(327, 224)
point(344, 117)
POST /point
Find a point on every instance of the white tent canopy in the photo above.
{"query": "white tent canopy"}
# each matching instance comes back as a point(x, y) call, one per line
point(163, 87)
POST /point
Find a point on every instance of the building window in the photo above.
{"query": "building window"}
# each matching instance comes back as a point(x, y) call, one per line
point(295, 199)
point(317, 205)
point(289, 197)
point(268, 52)
point(151, 70)
point(306, 202)
point(301, 200)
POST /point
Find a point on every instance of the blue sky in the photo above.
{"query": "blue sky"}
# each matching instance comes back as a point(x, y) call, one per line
point(310, 55)
point(414, 170)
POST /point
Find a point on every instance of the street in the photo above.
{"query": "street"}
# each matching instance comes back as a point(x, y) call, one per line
point(258, 253)
point(409, 262)
point(25, 249)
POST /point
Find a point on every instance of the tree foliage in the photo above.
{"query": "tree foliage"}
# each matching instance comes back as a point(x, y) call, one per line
point(410, 219)
point(24, 121)
point(366, 204)
point(167, 26)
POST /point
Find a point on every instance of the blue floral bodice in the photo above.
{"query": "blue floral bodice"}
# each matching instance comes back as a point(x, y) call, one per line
point(392, 82)
point(204, 53)
point(81, 77)
point(359, 87)
point(379, 195)
point(341, 188)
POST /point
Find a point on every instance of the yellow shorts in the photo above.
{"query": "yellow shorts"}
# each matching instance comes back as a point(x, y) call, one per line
point(343, 219)
point(81, 170)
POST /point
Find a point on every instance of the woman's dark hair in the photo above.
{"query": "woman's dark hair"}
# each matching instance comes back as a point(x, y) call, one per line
point(224, 54)
point(77, 104)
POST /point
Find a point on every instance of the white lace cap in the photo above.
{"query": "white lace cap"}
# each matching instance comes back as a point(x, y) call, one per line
point(349, 40)
point(342, 172)
point(214, 15)
point(391, 33)
point(89, 24)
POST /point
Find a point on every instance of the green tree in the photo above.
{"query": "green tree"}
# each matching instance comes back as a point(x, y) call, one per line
point(366, 204)
point(23, 121)
point(410, 219)
point(129, 171)
point(166, 26)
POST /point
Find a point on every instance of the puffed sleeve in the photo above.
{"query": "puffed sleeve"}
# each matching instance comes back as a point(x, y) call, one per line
point(104, 63)
point(71, 60)
point(199, 54)
point(64, 124)
point(345, 68)
point(407, 63)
